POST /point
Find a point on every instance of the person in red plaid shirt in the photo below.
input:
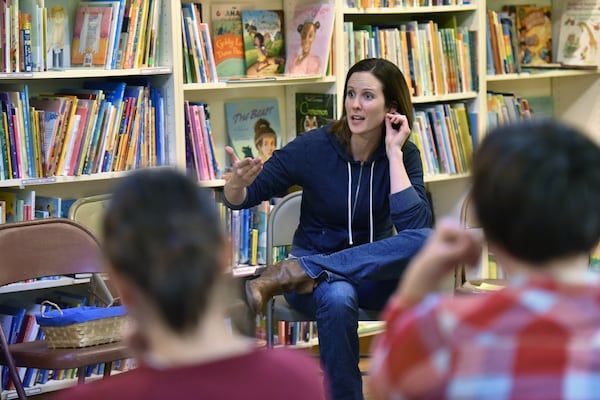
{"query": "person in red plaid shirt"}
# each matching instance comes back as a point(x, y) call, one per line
point(536, 193)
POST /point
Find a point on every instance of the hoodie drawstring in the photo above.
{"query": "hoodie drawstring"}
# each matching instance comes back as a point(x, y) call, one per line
point(349, 204)
point(350, 210)
point(371, 204)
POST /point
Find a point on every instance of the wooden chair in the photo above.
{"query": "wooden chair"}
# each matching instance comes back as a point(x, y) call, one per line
point(282, 223)
point(48, 247)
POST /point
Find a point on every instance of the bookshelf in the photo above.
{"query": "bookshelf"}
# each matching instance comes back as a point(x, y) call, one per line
point(573, 92)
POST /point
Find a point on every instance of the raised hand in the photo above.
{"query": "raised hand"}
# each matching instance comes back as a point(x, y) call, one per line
point(397, 131)
point(449, 245)
point(244, 171)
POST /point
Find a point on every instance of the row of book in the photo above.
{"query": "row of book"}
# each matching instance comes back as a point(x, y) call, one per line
point(404, 3)
point(445, 137)
point(102, 127)
point(256, 43)
point(502, 47)
point(520, 36)
point(435, 60)
point(198, 56)
point(25, 205)
point(41, 35)
point(247, 230)
point(200, 153)
point(506, 108)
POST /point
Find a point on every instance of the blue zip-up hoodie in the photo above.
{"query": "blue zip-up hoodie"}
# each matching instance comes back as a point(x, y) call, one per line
point(344, 202)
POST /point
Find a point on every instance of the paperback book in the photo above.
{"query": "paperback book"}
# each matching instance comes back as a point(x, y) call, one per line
point(228, 40)
point(263, 42)
point(534, 26)
point(253, 127)
point(579, 34)
point(314, 110)
point(91, 35)
point(308, 39)
point(59, 31)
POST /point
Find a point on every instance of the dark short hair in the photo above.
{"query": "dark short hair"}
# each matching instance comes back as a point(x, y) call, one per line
point(395, 92)
point(536, 189)
point(162, 232)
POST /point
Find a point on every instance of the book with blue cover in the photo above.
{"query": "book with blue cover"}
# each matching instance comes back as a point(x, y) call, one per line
point(253, 127)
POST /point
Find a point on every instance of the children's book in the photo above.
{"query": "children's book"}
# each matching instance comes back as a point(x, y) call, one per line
point(534, 31)
point(308, 39)
point(228, 39)
point(263, 42)
point(59, 31)
point(91, 35)
point(10, 205)
point(579, 33)
point(51, 205)
point(313, 110)
point(253, 127)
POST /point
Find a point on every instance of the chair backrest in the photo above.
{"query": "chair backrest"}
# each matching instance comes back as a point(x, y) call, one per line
point(47, 247)
point(468, 219)
point(282, 223)
point(88, 211)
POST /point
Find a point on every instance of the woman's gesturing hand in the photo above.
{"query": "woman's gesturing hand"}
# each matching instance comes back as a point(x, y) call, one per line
point(244, 171)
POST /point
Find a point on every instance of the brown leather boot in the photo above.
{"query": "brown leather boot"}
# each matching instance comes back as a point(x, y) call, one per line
point(284, 277)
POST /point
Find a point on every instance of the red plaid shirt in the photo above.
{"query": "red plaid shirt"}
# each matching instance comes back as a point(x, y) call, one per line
point(536, 339)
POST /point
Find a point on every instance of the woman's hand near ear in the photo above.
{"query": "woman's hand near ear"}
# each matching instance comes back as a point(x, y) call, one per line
point(396, 134)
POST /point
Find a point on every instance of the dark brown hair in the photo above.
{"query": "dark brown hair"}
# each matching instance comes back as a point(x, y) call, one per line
point(395, 92)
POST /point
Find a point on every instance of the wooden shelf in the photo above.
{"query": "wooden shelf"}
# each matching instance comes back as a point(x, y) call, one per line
point(45, 284)
point(411, 10)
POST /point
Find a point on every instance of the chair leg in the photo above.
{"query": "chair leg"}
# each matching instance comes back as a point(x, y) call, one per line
point(270, 330)
point(12, 369)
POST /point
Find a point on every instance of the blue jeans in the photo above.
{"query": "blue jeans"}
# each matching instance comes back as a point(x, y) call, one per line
point(363, 276)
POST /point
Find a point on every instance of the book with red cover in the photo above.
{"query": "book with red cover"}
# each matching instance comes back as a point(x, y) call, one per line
point(91, 35)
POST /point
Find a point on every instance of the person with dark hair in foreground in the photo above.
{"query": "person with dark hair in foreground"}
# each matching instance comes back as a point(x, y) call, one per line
point(167, 257)
point(536, 193)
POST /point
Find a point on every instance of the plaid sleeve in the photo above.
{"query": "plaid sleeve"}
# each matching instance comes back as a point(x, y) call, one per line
point(410, 358)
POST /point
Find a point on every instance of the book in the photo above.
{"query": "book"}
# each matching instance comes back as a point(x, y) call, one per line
point(58, 34)
point(52, 205)
point(534, 30)
point(263, 42)
point(91, 35)
point(314, 110)
point(308, 39)
point(10, 205)
point(253, 127)
point(228, 39)
point(579, 34)
point(94, 33)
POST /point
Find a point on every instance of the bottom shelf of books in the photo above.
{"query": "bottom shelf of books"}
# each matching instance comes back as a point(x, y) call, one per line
point(50, 381)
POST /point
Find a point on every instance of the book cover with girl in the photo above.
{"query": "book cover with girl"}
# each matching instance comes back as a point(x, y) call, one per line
point(253, 127)
point(309, 39)
point(263, 42)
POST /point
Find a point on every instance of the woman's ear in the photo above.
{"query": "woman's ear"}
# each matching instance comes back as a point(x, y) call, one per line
point(393, 107)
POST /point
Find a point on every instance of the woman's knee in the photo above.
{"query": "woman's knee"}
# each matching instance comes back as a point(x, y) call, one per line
point(339, 297)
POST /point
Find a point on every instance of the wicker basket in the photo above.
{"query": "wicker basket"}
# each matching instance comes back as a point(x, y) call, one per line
point(81, 334)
